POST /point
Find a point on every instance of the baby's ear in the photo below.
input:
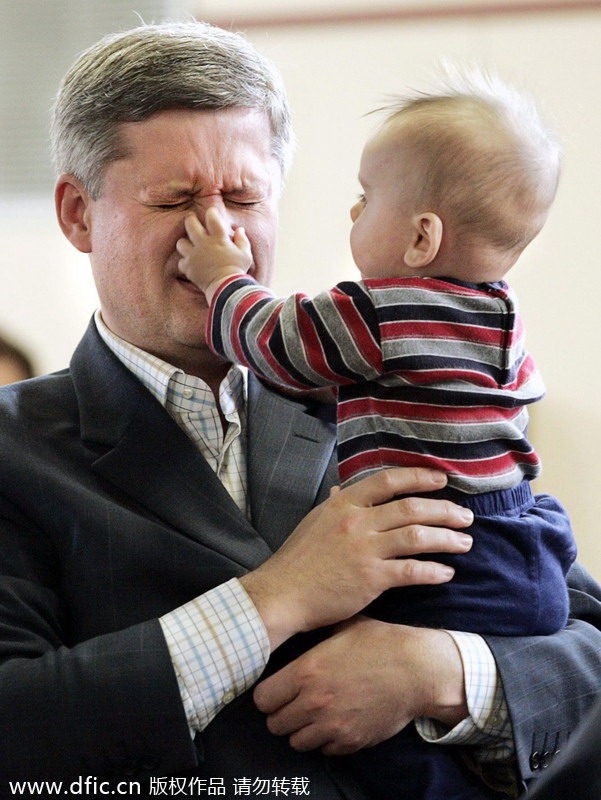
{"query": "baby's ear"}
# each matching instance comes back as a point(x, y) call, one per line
point(425, 241)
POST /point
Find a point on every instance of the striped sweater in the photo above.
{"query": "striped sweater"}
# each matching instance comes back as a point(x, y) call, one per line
point(430, 372)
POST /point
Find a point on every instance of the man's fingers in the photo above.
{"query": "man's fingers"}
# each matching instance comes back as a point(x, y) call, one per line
point(388, 483)
point(332, 742)
point(288, 719)
point(308, 738)
point(414, 539)
point(336, 749)
point(412, 572)
point(312, 737)
point(275, 692)
point(421, 510)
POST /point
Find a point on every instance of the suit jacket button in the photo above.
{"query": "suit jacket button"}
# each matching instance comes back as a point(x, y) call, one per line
point(535, 760)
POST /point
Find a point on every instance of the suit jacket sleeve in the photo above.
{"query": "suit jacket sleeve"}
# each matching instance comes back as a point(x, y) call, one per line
point(77, 710)
point(550, 682)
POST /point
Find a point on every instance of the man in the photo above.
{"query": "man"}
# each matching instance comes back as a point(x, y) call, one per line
point(138, 486)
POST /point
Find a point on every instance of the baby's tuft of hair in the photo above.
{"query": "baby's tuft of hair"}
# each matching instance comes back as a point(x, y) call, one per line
point(482, 157)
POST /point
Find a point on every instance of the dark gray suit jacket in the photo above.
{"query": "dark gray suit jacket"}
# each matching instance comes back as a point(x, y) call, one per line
point(577, 770)
point(109, 518)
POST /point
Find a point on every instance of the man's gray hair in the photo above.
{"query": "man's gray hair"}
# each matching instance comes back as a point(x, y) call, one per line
point(129, 76)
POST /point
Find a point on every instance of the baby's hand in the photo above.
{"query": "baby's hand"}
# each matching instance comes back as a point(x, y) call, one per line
point(209, 254)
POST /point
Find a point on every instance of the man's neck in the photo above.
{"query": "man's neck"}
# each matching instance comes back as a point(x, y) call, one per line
point(211, 373)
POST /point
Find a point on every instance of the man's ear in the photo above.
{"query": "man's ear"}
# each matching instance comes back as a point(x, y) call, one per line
point(425, 241)
point(72, 203)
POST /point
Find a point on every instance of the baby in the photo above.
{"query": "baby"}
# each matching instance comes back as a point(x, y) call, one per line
point(427, 352)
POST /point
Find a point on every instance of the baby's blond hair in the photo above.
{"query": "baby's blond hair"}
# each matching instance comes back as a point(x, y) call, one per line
point(484, 161)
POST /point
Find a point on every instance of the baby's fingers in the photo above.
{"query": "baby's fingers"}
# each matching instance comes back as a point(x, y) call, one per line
point(242, 242)
point(214, 223)
point(184, 247)
point(241, 239)
point(194, 228)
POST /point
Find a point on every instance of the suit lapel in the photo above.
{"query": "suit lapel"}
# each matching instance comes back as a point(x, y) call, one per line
point(142, 451)
point(290, 450)
point(156, 463)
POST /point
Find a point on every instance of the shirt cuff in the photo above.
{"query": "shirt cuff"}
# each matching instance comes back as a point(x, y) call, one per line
point(488, 726)
point(219, 647)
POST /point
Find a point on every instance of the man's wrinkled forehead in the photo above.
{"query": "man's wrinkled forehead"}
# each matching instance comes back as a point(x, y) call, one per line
point(129, 137)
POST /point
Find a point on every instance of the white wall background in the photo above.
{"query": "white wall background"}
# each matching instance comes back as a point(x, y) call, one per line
point(335, 74)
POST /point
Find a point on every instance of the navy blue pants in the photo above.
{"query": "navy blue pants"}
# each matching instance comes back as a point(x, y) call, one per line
point(512, 582)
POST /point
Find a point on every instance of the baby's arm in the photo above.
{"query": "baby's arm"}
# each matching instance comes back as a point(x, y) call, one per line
point(210, 254)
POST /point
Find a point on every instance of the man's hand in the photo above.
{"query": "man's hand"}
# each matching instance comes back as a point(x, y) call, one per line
point(363, 685)
point(351, 548)
point(210, 254)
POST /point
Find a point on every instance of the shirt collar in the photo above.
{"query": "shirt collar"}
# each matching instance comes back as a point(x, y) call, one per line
point(169, 384)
